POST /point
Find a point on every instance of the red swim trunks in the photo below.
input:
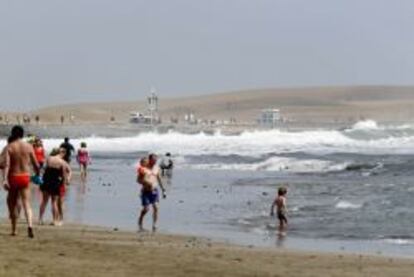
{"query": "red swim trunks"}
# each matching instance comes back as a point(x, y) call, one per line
point(19, 181)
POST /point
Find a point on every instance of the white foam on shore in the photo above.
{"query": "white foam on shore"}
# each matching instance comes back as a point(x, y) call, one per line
point(399, 241)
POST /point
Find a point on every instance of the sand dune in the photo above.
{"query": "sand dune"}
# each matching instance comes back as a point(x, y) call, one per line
point(329, 104)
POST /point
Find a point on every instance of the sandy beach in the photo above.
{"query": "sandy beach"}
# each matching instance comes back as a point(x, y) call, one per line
point(75, 250)
point(217, 173)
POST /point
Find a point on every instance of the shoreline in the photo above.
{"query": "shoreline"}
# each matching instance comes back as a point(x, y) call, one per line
point(80, 250)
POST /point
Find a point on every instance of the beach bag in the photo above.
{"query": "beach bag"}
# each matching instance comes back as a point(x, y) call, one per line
point(37, 180)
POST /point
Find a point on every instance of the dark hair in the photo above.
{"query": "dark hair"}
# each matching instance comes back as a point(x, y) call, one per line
point(152, 156)
point(282, 191)
point(168, 154)
point(66, 139)
point(17, 132)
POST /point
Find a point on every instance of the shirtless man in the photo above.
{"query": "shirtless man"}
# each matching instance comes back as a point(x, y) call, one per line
point(18, 155)
point(149, 177)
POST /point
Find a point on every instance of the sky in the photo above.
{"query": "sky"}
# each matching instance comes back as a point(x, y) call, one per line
point(59, 51)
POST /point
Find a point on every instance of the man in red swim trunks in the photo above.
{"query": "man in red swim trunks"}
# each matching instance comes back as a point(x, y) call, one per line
point(18, 155)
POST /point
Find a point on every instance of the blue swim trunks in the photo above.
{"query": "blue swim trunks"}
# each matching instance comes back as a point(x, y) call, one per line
point(149, 197)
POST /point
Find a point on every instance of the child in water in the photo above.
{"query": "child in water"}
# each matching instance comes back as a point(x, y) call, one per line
point(280, 203)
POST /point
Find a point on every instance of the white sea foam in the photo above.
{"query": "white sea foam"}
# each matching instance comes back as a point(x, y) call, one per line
point(399, 241)
point(275, 164)
point(365, 125)
point(347, 205)
point(250, 143)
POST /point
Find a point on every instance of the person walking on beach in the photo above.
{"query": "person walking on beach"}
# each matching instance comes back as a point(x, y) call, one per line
point(84, 160)
point(280, 202)
point(69, 149)
point(18, 156)
point(57, 174)
point(149, 178)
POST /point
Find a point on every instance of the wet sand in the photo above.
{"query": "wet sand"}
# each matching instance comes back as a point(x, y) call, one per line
point(75, 250)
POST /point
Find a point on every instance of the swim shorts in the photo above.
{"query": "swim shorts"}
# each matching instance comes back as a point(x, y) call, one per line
point(149, 197)
point(282, 216)
point(19, 181)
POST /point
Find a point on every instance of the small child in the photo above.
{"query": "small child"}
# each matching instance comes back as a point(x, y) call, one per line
point(143, 174)
point(280, 203)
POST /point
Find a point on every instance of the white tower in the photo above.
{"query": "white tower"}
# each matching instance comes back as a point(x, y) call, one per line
point(153, 105)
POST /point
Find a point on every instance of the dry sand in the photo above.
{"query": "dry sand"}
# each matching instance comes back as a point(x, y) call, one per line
point(92, 251)
point(317, 104)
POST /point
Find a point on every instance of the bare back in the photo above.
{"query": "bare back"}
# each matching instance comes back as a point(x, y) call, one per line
point(59, 163)
point(281, 203)
point(19, 156)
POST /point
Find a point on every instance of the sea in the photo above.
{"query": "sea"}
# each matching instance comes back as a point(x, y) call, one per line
point(349, 190)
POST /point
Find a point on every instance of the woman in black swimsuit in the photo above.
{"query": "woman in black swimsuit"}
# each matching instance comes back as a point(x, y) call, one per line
point(55, 176)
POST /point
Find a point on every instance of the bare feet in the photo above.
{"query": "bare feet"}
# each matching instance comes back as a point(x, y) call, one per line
point(141, 229)
point(30, 232)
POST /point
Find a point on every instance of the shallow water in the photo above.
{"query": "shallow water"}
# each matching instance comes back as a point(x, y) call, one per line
point(338, 200)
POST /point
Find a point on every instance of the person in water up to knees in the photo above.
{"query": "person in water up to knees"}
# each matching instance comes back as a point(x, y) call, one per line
point(148, 176)
point(18, 155)
point(84, 160)
point(280, 204)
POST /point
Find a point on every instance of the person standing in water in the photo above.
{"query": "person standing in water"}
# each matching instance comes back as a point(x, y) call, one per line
point(57, 174)
point(18, 156)
point(69, 149)
point(39, 152)
point(149, 178)
point(84, 160)
point(280, 203)
point(167, 165)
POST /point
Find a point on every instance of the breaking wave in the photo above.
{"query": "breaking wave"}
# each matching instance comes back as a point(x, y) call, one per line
point(256, 143)
point(275, 164)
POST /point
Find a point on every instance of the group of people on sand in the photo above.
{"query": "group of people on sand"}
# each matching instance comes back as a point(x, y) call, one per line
point(52, 174)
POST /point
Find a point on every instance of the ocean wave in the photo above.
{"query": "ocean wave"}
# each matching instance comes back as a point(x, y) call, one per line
point(399, 241)
point(276, 164)
point(252, 143)
point(365, 125)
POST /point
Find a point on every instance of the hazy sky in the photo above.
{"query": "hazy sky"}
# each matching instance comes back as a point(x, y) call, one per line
point(62, 51)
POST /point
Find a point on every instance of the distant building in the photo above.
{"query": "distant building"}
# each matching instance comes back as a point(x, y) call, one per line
point(270, 118)
point(151, 115)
